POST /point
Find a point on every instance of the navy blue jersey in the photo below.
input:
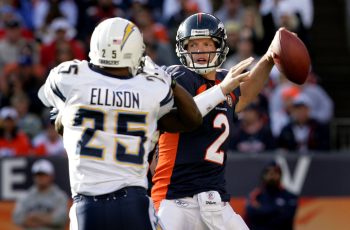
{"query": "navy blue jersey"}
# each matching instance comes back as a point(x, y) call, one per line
point(271, 210)
point(193, 162)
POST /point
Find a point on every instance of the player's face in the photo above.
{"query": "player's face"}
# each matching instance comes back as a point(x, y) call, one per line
point(42, 180)
point(201, 45)
point(272, 177)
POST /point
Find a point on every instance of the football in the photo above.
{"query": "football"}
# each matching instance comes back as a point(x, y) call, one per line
point(291, 56)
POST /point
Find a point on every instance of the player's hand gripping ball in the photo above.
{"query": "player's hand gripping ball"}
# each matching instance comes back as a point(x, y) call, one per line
point(291, 56)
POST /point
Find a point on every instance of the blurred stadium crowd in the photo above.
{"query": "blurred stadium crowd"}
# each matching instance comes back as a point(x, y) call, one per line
point(37, 35)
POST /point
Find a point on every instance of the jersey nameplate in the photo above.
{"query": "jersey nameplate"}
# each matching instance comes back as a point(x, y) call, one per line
point(109, 97)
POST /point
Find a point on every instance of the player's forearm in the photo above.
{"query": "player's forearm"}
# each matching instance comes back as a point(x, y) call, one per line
point(187, 110)
point(210, 98)
point(258, 78)
point(186, 117)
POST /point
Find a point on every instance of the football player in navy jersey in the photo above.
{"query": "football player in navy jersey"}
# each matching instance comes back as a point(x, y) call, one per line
point(189, 183)
point(109, 110)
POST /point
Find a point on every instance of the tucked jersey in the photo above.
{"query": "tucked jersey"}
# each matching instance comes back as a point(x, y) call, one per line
point(194, 162)
point(109, 123)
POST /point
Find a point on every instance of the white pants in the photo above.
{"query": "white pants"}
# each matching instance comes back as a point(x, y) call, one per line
point(199, 213)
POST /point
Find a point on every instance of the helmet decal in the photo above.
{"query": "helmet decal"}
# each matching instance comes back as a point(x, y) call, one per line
point(199, 32)
point(128, 30)
point(199, 18)
point(117, 43)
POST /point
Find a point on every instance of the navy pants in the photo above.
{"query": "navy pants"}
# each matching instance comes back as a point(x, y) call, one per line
point(128, 208)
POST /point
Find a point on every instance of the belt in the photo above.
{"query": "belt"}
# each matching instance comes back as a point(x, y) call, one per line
point(113, 195)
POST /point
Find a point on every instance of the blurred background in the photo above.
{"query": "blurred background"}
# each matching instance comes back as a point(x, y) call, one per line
point(305, 129)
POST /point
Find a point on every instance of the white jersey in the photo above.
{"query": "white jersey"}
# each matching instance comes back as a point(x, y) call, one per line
point(109, 123)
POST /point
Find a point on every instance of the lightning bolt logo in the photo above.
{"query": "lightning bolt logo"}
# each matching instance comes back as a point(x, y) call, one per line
point(127, 31)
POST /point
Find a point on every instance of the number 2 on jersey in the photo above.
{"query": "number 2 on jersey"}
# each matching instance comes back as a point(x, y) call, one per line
point(122, 127)
point(214, 153)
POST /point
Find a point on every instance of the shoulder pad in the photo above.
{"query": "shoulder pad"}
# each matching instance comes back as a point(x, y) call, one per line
point(68, 67)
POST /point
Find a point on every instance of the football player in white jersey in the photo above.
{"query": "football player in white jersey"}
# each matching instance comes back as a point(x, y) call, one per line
point(110, 109)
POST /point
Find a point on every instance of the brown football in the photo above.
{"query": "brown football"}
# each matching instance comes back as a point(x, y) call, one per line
point(291, 56)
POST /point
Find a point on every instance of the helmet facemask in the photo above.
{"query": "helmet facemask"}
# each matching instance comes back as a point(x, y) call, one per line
point(218, 56)
point(196, 26)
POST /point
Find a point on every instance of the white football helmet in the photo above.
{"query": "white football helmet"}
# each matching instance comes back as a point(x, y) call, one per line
point(117, 42)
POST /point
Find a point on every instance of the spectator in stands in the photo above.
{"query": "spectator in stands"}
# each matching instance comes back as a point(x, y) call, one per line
point(172, 7)
point(303, 133)
point(231, 10)
point(252, 23)
point(46, 11)
point(21, 76)
point(322, 106)
point(233, 36)
point(13, 44)
point(245, 49)
point(9, 13)
point(270, 206)
point(44, 206)
point(13, 142)
point(155, 36)
point(156, 50)
point(48, 142)
point(306, 10)
point(283, 13)
point(280, 101)
point(61, 34)
point(253, 134)
point(96, 12)
point(143, 18)
point(187, 8)
point(28, 122)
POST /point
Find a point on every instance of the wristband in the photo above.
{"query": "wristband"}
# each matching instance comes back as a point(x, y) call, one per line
point(208, 99)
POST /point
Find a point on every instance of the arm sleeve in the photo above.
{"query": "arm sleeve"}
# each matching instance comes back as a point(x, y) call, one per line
point(166, 104)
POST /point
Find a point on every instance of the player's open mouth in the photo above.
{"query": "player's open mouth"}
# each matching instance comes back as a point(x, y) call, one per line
point(202, 61)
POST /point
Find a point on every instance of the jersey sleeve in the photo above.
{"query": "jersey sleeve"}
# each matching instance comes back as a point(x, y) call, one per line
point(237, 93)
point(183, 76)
point(54, 92)
point(167, 102)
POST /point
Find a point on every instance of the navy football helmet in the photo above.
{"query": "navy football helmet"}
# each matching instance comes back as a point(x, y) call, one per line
point(201, 25)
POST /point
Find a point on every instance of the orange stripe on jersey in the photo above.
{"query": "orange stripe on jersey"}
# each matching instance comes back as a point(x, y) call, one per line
point(168, 143)
point(201, 89)
point(233, 97)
